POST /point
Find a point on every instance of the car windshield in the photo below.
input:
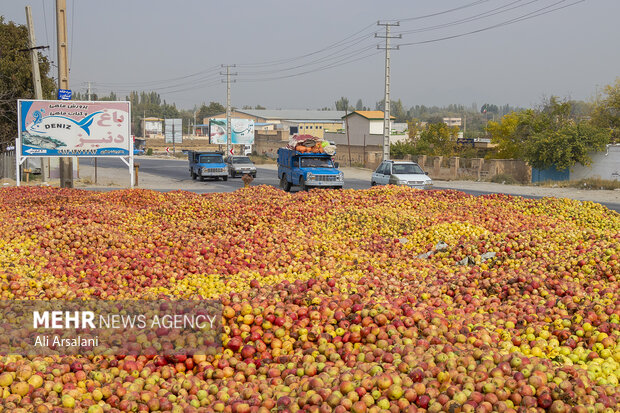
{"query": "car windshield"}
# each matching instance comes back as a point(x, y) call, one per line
point(317, 162)
point(406, 169)
point(211, 159)
point(243, 159)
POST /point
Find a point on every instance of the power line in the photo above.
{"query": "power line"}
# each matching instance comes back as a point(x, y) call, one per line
point(527, 16)
point(475, 3)
point(290, 59)
point(155, 82)
point(492, 12)
point(319, 69)
point(316, 62)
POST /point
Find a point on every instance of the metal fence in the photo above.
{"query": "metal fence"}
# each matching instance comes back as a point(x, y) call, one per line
point(7, 165)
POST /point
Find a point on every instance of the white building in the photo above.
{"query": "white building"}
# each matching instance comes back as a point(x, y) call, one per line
point(452, 121)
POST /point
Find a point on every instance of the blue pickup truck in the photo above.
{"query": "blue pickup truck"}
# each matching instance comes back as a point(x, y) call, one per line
point(207, 165)
point(308, 170)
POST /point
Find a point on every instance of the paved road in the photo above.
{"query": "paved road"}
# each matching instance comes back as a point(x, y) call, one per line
point(177, 170)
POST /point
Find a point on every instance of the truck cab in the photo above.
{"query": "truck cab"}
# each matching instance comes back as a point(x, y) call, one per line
point(308, 170)
point(207, 165)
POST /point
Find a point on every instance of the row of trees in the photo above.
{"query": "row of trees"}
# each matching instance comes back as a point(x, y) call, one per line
point(16, 77)
point(558, 133)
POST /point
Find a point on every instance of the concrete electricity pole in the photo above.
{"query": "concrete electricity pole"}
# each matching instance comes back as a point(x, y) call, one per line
point(386, 110)
point(36, 75)
point(66, 164)
point(228, 129)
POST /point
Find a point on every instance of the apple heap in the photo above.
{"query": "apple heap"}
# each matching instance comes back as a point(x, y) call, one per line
point(333, 301)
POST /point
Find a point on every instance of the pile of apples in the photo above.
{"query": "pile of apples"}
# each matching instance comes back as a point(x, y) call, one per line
point(387, 299)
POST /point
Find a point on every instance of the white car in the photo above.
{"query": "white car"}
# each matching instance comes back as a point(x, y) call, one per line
point(401, 173)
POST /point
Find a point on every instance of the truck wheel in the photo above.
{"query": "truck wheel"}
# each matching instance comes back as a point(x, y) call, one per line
point(284, 184)
point(193, 175)
point(225, 178)
point(302, 184)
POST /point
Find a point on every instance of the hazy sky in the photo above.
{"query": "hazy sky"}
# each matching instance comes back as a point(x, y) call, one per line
point(176, 48)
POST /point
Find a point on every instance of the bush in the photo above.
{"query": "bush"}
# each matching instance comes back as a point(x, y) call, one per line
point(503, 179)
point(149, 151)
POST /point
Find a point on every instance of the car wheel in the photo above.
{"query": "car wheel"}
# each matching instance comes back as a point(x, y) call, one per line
point(284, 184)
point(225, 178)
point(254, 175)
point(373, 183)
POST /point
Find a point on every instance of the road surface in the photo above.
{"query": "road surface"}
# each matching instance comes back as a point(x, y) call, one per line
point(176, 172)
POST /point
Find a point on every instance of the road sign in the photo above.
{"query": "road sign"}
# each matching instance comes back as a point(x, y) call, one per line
point(232, 151)
point(64, 94)
point(168, 150)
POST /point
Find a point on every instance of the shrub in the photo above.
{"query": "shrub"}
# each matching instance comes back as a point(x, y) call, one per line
point(503, 179)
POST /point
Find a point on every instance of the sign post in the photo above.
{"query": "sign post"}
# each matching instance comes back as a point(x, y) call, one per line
point(59, 128)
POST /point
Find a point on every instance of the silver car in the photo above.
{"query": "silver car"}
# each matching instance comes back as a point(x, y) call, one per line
point(406, 173)
point(240, 165)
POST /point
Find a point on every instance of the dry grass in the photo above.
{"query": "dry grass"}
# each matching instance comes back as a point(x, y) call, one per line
point(262, 160)
point(588, 183)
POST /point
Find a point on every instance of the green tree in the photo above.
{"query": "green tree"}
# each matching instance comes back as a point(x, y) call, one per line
point(359, 105)
point(205, 111)
point(342, 104)
point(606, 112)
point(566, 146)
point(16, 77)
point(437, 139)
point(549, 136)
point(504, 134)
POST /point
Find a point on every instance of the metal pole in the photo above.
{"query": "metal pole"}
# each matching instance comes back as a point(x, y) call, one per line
point(36, 75)
point(386, 103)
point(386, 110)
point(346, 120)
point(228, 109)
point(66, 164)
point(228, 137)
point(174, 149)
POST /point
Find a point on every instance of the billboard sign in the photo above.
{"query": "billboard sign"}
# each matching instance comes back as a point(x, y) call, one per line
point(74, 128)
point(153, 126)
point(64, 94)
point(242, 131)
point(173, 126)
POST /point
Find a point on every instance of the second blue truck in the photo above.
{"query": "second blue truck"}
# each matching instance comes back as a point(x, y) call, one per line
point(308, 170)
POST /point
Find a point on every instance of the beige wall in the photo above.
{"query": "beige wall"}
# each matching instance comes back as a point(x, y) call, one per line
point(453, 168)
point(376, 127)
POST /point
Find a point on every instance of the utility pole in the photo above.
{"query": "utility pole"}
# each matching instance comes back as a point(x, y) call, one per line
point(36, 75)
point(228, 129)
point(386, 110)
point(346, 120)
point(89, 91)
point(174, 148)
point(66, 164)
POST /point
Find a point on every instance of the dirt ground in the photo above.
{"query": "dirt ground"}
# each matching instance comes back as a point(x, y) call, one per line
point(118, 178)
